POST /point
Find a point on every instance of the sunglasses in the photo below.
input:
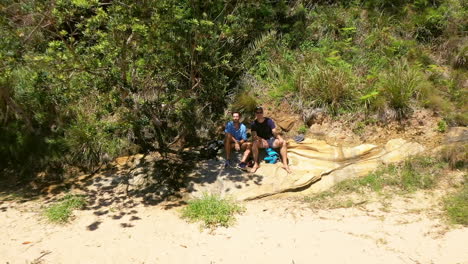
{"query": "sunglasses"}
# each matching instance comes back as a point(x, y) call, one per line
point(259, 112)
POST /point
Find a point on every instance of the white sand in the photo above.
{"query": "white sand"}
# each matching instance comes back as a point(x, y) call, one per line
point(270, 231)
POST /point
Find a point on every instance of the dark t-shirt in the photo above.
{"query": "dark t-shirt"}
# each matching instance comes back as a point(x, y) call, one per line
point(264, 130)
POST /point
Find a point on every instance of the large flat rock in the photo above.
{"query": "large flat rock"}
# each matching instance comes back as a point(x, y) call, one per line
point(315, 164)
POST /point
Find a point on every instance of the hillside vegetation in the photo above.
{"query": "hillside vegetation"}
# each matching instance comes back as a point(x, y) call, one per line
point(84, 81)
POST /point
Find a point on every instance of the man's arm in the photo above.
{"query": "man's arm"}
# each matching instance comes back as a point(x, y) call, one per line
point(274, 130)
point(243, 134)
point(253, 131)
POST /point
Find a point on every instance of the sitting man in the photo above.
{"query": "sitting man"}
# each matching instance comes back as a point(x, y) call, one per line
point(266, 136)
point(236, 137)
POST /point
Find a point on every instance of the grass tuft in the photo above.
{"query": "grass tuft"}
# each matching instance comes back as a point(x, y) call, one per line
point(411, 175)
point(456, 155)
point(245, 103)
point(398, 86)
point(61, 211)
point(212, 210)
point(326, 86)
point(456, 206)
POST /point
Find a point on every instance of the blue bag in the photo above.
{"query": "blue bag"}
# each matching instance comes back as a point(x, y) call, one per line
point(272, 156)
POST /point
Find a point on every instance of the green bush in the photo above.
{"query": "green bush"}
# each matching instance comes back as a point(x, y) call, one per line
point(431, 23)
point(90, 139)
point(212, 210)
point(281, 79)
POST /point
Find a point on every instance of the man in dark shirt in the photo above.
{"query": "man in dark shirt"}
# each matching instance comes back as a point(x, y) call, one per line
point(265, 136)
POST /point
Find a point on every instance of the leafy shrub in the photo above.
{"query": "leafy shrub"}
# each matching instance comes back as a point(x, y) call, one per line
point(90, 140)
point(431, 23)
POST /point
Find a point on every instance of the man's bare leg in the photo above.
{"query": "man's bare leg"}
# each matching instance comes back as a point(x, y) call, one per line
point(284, 156)
point(280, 143)
point(258, 144)
point(228, 145)
point(255, 148)
point(247, 147)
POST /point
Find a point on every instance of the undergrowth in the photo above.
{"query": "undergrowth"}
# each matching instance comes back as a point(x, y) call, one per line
point(365, 57)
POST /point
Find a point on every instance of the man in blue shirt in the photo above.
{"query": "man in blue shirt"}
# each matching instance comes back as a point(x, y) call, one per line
point(236, 138)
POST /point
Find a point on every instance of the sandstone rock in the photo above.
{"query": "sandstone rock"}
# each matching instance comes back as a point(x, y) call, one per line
point(128, 160)
point(399, 149)
point(312, 161)
point(313, 116)
point(317, 129)
point(286, 124)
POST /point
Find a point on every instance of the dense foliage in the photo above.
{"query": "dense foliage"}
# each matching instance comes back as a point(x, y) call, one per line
point(83, 81)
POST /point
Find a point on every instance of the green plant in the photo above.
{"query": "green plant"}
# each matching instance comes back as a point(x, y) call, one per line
point(212, 210)
point(435, 101)
point(456, 206)
point(302, 129)
point(368, 98)
point(61, 211)
point(442, 126)
point(430, 25)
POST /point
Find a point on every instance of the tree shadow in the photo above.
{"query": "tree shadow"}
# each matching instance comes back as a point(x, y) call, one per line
point(149, 179)
point(93, 226)
point(212, 173)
